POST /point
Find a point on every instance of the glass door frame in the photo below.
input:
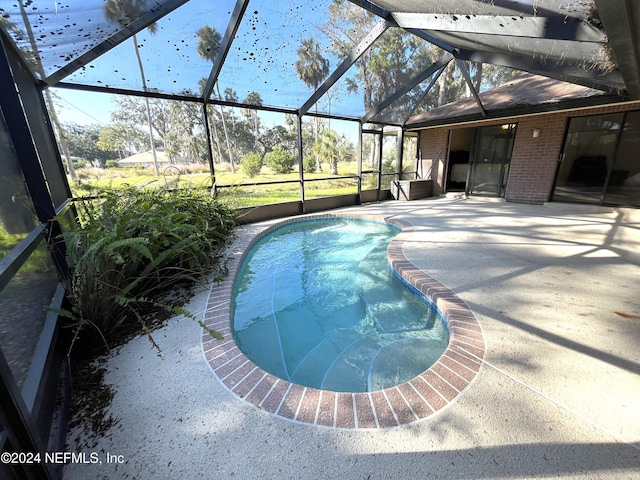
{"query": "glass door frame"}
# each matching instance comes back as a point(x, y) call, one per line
point(601, 197)
point(506, 160)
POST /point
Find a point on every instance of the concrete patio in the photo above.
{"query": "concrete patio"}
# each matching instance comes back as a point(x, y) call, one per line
point(556, 290)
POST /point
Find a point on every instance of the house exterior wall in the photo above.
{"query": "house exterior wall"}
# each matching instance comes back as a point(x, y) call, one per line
point(534, 161)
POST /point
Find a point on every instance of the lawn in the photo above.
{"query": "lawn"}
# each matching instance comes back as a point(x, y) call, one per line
point(235, 187)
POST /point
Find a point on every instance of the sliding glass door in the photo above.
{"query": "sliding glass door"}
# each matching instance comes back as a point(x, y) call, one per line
point(623, 185)
point(588, 152)
point(599, 163)
point(490, 159)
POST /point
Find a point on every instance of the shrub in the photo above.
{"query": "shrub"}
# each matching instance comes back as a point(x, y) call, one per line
point(192, 168)
point(251, 164)
point(280, 161)
point(309, 164)
point(80, 164)
point(111, 164)
point(389, 165)
point(132, 247)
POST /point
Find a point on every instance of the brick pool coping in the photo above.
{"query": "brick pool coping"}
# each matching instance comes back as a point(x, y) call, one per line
point(419, 398)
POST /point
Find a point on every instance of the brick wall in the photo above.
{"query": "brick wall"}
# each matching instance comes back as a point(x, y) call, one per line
point(434, 141)
point(534, 160)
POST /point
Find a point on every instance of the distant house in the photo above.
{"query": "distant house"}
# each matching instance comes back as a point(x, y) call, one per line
point(144, 160)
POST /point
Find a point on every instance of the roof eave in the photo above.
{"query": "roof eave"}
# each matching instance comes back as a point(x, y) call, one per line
point(517, 111)
point(621, 20)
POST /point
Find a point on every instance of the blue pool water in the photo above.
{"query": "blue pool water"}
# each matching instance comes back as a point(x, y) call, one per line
point(315, 303)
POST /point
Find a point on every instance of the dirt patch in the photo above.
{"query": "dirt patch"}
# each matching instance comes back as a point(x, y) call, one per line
point(90, 417)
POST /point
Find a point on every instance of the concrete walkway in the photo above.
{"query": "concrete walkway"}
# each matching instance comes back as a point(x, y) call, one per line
point(558, 395)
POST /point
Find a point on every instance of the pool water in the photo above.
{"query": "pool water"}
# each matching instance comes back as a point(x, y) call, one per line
point(315, 303)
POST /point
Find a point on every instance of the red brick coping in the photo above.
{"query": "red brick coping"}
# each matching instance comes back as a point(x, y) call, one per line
point(416, 399)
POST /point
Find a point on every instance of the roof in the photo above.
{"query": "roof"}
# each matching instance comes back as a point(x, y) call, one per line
point(144, 158)
point(254, 46)
point(524, 94)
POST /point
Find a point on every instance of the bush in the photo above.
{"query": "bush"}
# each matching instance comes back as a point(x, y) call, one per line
point(133, 247)
point(280, 161)
point(389, 165)
point(80, 164)
point(251, 164)
point(309, 164)
point(111, 164)
point(191, 168)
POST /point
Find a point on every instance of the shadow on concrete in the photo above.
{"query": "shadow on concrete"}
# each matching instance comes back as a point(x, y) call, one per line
point(544, 460)
point(615, 360)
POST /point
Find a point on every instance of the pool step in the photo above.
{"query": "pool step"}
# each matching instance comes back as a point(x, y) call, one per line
point(311, 369)
point(349, 361)
point(401, 360)
point(389, 314)
point(395, 358)
point(349, 373)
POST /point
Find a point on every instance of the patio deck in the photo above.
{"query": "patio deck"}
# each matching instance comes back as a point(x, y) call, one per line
point(557, 394)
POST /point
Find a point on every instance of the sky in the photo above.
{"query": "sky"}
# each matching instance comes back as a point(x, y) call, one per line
point(261, 59)
point(82, 108)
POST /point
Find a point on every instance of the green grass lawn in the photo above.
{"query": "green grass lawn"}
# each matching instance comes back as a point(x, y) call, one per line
point(237, 188)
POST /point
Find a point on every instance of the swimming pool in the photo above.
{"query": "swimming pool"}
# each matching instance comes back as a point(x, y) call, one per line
point(315, 303)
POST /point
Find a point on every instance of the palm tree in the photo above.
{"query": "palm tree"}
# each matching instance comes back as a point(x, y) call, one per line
point(254, 98)
point(328, 147)
point(312, 68)
point(123, 12)
point(208, 47)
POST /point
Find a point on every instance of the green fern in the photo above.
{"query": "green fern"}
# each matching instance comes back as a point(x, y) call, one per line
point(133, 246)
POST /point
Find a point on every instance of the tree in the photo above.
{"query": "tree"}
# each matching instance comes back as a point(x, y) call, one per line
point(278, 136)
point(392, 61)
point(208, 47)
point(475, 70)
point(331, 147)
point(395, 58)
point(244, 138)
point(181, 129)
point(123, 12)
point(177, 126)
point(133, 112)
point(120, 138)
point(253, 98)
point(280, 161)
point(312, 68)
point(83, 143)
point(443, 84)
